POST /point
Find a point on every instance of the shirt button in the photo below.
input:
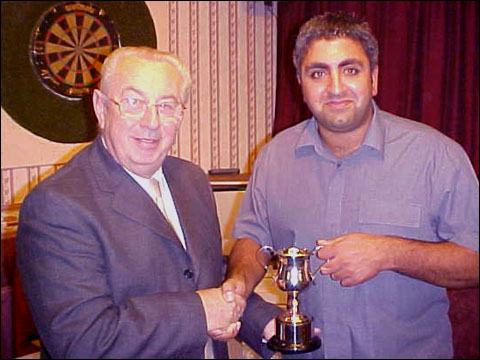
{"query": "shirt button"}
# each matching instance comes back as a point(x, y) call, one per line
point(188, 274)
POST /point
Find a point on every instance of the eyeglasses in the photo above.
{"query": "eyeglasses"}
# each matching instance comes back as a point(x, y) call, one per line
point(135, 107)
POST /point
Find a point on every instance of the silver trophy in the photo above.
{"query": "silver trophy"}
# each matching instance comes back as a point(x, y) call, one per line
point(293, 328)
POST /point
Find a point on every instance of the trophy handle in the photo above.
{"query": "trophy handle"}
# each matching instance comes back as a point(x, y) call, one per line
point(264, 255)
point(314, 252)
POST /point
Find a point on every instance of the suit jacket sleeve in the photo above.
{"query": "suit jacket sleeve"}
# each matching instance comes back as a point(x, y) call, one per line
point(254, 319)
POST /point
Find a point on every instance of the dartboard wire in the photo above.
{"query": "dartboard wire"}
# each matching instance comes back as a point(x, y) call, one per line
point(77, 70)
point(54, 37)
point(71, 68)
point(79, 78)
point(59, 33)
point(87, 23)
point(72, 26)
point(90, 28)
point(79, 19)
point(56, 48)
point(94, 63)
point(65, 73)
point(89, 61)
point(101, 50)
point(57, 66)
point(62, 24)
point(95, 35)
point(87, 78)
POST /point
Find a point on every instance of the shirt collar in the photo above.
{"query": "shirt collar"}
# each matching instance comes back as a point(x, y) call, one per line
point(158, 175)
point(374, 138)
point(309, 138)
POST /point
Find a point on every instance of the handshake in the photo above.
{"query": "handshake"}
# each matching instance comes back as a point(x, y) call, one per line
point(223, 308)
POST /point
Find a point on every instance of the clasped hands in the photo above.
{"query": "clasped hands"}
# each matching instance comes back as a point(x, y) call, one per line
point(223, 308)
point(233, 294)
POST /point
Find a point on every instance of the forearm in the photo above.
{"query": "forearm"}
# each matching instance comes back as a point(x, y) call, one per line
point(243, 264)
point(444, 264)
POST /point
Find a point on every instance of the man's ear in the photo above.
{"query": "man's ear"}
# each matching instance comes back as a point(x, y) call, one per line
point(375, 81)
point(99, 107)
point(299, 79)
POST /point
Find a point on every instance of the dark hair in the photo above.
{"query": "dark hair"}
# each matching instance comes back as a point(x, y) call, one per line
point(332, 26)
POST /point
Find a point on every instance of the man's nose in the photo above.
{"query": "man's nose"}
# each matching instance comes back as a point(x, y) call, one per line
point(336, 85)
point(151, 118)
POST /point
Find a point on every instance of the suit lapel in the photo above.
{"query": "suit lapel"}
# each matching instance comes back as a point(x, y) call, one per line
point(129, 199)
point(141, 208)
point(188, 213)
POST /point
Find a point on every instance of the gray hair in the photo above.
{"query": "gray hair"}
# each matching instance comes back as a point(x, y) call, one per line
point(149, 54)
point(332, 26)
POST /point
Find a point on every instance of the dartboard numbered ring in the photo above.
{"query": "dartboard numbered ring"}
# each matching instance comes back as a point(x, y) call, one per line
point(68, 46)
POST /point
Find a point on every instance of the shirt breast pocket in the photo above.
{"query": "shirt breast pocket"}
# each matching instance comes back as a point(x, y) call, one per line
point(390, 212)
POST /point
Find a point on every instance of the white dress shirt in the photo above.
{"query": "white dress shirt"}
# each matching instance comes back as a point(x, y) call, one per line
point(168, 209)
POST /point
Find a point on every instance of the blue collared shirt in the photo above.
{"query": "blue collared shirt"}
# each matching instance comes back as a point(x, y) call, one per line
point(408, 180)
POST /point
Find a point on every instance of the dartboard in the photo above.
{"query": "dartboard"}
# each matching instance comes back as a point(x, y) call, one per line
point(68, 47)
point(51, 57)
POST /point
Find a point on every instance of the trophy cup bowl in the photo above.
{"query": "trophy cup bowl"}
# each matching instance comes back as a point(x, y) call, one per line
point(293, 328)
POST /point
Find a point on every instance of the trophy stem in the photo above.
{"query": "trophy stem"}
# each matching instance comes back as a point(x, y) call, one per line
point(292, 303)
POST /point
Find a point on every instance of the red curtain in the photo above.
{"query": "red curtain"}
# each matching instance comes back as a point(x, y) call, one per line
point(428, 62)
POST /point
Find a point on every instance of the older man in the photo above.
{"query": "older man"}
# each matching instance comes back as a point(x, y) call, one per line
point(120, 250)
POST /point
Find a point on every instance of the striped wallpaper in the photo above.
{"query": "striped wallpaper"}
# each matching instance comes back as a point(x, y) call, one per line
point(230, 48)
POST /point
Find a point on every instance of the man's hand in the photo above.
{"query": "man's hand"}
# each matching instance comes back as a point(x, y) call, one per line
point(227, 333)
point(222, 315)
point(244, 272)
point(233, 291)
point(233, 286)
point(353, 258)
point(269, 330)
